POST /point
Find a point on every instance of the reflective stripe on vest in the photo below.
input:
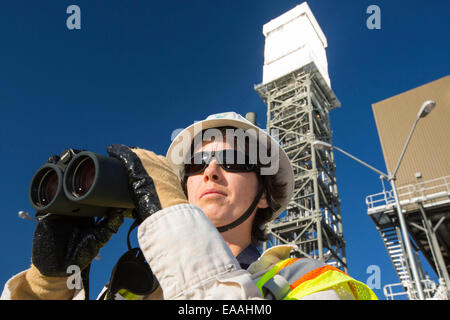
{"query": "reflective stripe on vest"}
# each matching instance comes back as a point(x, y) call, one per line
point(123, 294)
point(307, 276)
point(127, 295)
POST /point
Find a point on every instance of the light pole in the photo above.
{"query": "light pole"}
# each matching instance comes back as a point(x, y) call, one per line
point(423, 112)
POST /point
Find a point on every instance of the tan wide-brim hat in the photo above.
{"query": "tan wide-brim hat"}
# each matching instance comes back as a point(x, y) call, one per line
point(281, 168)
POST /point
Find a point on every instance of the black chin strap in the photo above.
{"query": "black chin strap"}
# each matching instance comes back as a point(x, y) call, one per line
point(246, 214)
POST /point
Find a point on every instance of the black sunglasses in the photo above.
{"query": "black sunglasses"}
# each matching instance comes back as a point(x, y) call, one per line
point(229, 160)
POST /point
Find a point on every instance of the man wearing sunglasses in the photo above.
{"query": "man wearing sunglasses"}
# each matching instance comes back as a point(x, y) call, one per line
point(200, 236)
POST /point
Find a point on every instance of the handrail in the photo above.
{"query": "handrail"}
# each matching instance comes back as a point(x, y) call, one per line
point(410, 193)
point(428, 285)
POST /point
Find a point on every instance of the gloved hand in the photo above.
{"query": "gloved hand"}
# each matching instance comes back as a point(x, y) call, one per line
point(153, 183)
point(60, 241)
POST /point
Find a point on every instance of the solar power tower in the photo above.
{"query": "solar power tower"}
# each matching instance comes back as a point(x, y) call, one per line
point(296, 89)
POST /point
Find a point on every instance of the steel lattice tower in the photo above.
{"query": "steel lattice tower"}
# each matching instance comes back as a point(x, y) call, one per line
point(298, 105)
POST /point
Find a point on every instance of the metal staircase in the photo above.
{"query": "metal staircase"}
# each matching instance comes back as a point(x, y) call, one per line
point(394, 246)
point(426, 207)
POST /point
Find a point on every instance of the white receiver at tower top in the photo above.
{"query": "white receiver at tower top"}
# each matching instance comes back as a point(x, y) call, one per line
point(294, 40)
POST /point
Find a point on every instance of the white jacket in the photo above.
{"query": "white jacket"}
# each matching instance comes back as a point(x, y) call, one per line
point(191, 260)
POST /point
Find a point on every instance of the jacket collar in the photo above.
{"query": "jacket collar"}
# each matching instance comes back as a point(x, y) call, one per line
point(248, 256)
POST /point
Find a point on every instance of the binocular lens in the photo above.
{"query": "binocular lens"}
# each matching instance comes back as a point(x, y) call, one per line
point(47, 187)
point(91, 179)
point(83, 177)
point(88, 185)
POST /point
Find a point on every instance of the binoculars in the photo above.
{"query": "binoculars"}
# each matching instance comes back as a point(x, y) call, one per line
point(81, 184)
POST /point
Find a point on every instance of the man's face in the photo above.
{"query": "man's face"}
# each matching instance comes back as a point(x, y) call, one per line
point(223, 196)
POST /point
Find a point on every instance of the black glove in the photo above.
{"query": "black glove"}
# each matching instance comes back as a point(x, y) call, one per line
point(142, 187)
point(61, 241)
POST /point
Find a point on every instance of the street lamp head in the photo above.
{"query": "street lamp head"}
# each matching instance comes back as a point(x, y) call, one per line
point(426, 108)
point(320, 145)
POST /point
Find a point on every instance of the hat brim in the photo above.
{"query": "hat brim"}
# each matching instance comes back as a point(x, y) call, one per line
point(183, 141)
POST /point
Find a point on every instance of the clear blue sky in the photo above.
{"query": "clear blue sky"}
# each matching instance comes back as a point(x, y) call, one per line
point(137, 70)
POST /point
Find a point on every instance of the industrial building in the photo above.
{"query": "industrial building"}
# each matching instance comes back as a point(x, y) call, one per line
point(423, 188)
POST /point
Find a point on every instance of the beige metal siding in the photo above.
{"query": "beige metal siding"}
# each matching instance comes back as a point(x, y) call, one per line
point(429, 149)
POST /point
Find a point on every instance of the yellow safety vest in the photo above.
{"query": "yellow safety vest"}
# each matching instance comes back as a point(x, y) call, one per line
point(318, 279)
point(300, 277)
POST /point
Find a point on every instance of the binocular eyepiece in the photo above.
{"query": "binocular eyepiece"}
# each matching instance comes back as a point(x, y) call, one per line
point(89, 184)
